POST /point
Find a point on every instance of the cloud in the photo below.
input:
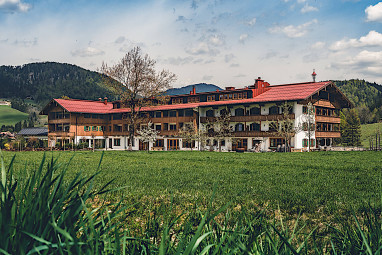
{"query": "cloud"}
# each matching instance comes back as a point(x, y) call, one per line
point(366, 61)
point(202, 49)
point(179, 61)
point(207, 77)
point(26, 43)
point(181, 19)
point(14, 6)
point(87, 52)
point(308, 8)
point(217, 40)
point(120, 39)
point(251, 22)
point(293, 31)
point(318, 45)
point(228, 57)
point(243, 37)
point(373, 38)
point(374, 12)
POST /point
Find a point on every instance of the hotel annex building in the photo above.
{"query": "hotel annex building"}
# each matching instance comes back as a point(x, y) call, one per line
point(252, 110)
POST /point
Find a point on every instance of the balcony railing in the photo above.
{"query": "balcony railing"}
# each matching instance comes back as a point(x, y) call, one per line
point(328, 134)
point(250, 118)
point(328, 119)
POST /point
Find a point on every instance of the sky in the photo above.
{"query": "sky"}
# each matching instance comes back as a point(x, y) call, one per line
point(226, 43)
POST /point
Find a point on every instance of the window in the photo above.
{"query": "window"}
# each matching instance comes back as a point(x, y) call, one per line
point(172, 126)
point(165, 113)
point(230, 96)
point(180, 113)
point(66, 127)
point(180, 125)
point(276, 142)
point(165, 126)
point(172, 113)
point(245, 95)
point(305, 142)
point(222, 142)
point(255, 111)
point(117, 128)
point(193, 99)
point(117, 142)
point(158, 114)
point(87, 116)
point(254, 127)
point(158, 127)
point(226, 97)
point(159, 143)
point(188, 144)
point(126, 127)
point(224, 112)
point(66, 115)
point(210, 98)
point(117, 117)
point(239, 112)
point(235, 96)
point(221, 97)
point(210, 113)
point(189, 113)
point(274, 110)
point(240, 96)
point(94, 128)
point(177, 100)
point(239, 127)
point(86, 128)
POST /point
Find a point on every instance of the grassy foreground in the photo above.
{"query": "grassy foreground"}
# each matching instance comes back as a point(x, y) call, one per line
point(297, 182)
point(51, 207)
point(10, 116)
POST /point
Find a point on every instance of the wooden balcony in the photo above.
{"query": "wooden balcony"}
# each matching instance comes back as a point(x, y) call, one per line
point(252, 134)
point(328, 134)
point(249, 118)
point(328, 119)
point(61, 134)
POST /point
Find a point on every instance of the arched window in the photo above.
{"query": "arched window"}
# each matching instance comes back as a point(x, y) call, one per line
point(239, 127)
point(210, 113)
point(274, 110)
point(254, 127)
point(239, 112)
point(255, 111)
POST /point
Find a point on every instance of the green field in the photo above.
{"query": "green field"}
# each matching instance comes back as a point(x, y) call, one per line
point(368, 130)
point(10, 116)
point(321, 182)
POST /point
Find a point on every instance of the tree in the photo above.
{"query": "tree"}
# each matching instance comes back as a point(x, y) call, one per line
point(284, 127)
point(189, 133)
point(221, 127)
point(350, 127)
point(308, 123)
point(148, 134)
point(137, 83)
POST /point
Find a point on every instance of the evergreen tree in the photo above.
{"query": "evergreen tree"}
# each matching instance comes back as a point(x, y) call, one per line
point(18, 126)
point(350, 127)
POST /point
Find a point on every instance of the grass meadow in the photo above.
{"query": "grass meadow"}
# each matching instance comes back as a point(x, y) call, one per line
point(191, 203)
point(317, 182)
point(10, 116)
point(368, 130)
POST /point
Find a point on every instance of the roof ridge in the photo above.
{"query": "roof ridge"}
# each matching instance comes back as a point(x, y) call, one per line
point(300, 83)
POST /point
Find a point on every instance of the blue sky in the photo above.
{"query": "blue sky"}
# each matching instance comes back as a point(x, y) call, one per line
point(227, 43)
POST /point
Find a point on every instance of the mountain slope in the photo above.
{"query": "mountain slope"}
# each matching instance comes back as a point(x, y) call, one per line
point(199, 88)
point(44, 81)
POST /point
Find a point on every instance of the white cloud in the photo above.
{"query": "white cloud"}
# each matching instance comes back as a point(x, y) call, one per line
point(14, 6)
point(216, 40)
point(366, 62)
point(318, 45)
point(120, 39)
point(202, 49)
point(308, 8)
point(373, 38)
point(228, 57)
point(243, 37)
point(87, 52)
point(179, 60)
point(251, 22)
point(374, 12)
point(293, 31)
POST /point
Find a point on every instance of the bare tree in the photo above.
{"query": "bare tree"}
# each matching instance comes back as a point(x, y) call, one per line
point(219, 128)
point(284, 127)
point(308, 123)
point(137, 83)
point(148, 134)
point(189, 133)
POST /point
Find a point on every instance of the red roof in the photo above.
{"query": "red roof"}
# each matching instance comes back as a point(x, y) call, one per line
point(287, 92)
point(85, 106)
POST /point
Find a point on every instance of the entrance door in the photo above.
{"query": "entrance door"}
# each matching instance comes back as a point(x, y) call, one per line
point(111, 143)
point(172, 144)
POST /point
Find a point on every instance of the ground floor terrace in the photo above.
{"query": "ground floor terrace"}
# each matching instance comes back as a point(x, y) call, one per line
point(251, 144)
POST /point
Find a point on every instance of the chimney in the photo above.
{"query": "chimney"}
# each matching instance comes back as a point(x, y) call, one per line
point(105, 100)
point(229, 88)
point(193, 90)
point(100, 99)
point(314, 75)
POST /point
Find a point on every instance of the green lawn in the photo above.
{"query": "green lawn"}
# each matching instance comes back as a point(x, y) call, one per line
point(10, 116)
point(368, 130)
point(317, 182)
